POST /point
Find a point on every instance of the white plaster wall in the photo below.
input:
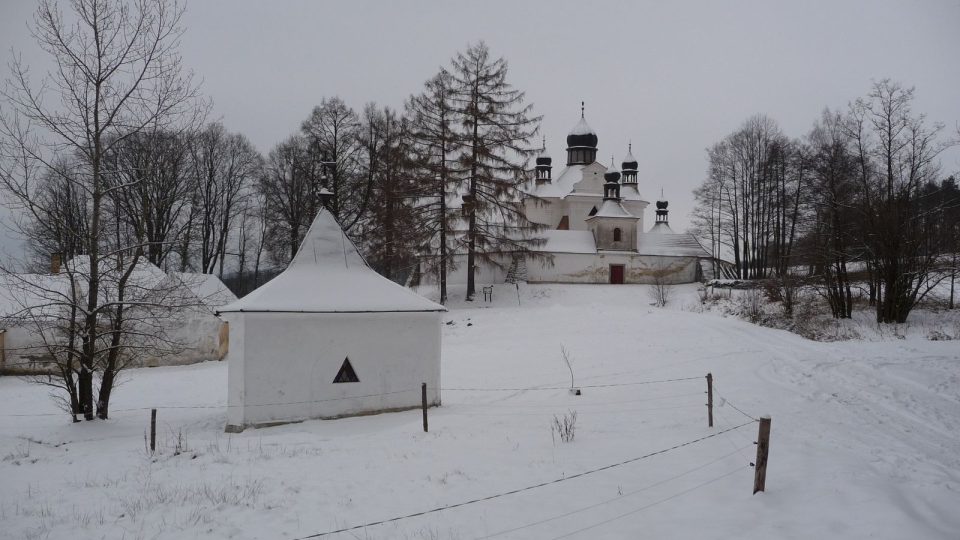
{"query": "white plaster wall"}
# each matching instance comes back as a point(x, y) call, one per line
point(578, 208)
point(603, 228)
point(196, 332)
point(543, 211)
point(485, 274)
point(588, 268)
point(288, 362)
point(236, 363)
point(23, 349)
point(637, 208)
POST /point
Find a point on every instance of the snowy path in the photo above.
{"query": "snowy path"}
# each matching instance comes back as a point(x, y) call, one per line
point(865, 440)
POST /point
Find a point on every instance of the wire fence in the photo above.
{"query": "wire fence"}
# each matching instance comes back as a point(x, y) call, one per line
point(612, 500)
point(525, 488)
point(538, 409)
point(363, 396)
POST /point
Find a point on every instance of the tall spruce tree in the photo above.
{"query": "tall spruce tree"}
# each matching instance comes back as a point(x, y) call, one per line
point(495, 130)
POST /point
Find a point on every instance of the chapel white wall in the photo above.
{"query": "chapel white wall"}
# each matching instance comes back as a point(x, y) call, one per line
point(289, 362)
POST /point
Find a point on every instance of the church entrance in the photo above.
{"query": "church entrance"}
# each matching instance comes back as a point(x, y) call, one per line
point(616, 274)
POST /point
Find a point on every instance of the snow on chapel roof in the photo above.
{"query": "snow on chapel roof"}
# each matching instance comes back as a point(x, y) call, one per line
point(328, 275)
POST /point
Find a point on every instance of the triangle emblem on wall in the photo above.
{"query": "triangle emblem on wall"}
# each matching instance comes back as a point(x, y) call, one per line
point(346, 373)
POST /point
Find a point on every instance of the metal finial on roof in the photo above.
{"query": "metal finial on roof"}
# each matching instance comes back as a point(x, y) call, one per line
point(544, 142)
point(582, 107)
point(630, 147)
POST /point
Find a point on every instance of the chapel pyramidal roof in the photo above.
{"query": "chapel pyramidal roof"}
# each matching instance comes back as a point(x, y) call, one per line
point(328, 275)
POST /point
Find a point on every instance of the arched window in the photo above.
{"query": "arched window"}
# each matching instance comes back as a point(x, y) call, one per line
point(616, 234)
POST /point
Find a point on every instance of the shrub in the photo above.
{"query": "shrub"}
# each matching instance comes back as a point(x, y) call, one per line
point(565, 427)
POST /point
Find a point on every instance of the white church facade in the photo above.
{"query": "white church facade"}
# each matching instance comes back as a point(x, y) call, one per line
point(594, 219)
point(594, 227)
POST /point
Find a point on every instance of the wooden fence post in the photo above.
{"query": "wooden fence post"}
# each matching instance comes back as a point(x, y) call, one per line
point(153, 430)
point(763, 450)
point(423, 396)
point(710, 399)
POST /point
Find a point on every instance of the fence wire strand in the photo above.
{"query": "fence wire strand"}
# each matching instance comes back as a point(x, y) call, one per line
point(526, 488)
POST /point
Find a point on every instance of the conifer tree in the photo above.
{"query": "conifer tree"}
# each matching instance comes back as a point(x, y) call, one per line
point(433, 147)
point(495, 129)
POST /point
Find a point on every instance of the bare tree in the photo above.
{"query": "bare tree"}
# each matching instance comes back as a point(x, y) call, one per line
point(895, 152)
point(150, 173)
point(290, 197)
point(662, 289)
point(833, 202)
point(224, 167)
point(117, 74)
point(390, 229)
point(334, 145)
point(749, 205)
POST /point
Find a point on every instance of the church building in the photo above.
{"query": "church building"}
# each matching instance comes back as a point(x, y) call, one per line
point(594, 228)
point(594, 219)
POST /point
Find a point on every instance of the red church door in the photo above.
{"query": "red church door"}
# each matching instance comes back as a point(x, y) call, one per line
point(616, 274)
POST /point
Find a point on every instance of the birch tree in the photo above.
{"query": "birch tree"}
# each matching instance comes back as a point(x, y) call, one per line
point(117, 73)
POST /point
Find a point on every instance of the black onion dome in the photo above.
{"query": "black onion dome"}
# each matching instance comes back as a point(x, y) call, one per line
point(661, 205)
point(612, 175)
point(542, 157)
point(630, 162)
point(582, 135)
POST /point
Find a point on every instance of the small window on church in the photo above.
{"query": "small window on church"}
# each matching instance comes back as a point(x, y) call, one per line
point(593, 212)
point(346, 373)
point(617, 235)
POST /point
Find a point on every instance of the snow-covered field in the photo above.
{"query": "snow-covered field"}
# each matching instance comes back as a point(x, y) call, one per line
point(865, 442)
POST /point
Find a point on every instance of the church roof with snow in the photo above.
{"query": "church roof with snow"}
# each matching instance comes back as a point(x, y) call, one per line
point(613, 209)
point(207, 287)
point(328, 275)
point(564, 184)
point(661, 240)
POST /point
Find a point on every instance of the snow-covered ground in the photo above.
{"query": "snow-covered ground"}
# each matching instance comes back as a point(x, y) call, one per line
point(865, 442)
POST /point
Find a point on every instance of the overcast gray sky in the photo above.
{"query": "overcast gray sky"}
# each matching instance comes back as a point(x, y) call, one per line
point(673, 77)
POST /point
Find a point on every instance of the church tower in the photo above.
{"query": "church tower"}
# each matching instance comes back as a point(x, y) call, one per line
point(581, 142)
point(630, 167)
point(661, 225)
point(611, 189)
point(544, 166)
point(614, 228)
point(662, 211)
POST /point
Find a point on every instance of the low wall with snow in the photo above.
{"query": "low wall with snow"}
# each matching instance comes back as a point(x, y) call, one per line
point(485, 273)
point(282, 365)
point(590, 268)
point(581, 268)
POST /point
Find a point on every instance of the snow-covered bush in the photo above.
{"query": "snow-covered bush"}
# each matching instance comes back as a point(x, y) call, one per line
point(750, 305)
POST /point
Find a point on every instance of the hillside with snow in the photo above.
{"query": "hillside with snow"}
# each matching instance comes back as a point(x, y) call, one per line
point(865, 439)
